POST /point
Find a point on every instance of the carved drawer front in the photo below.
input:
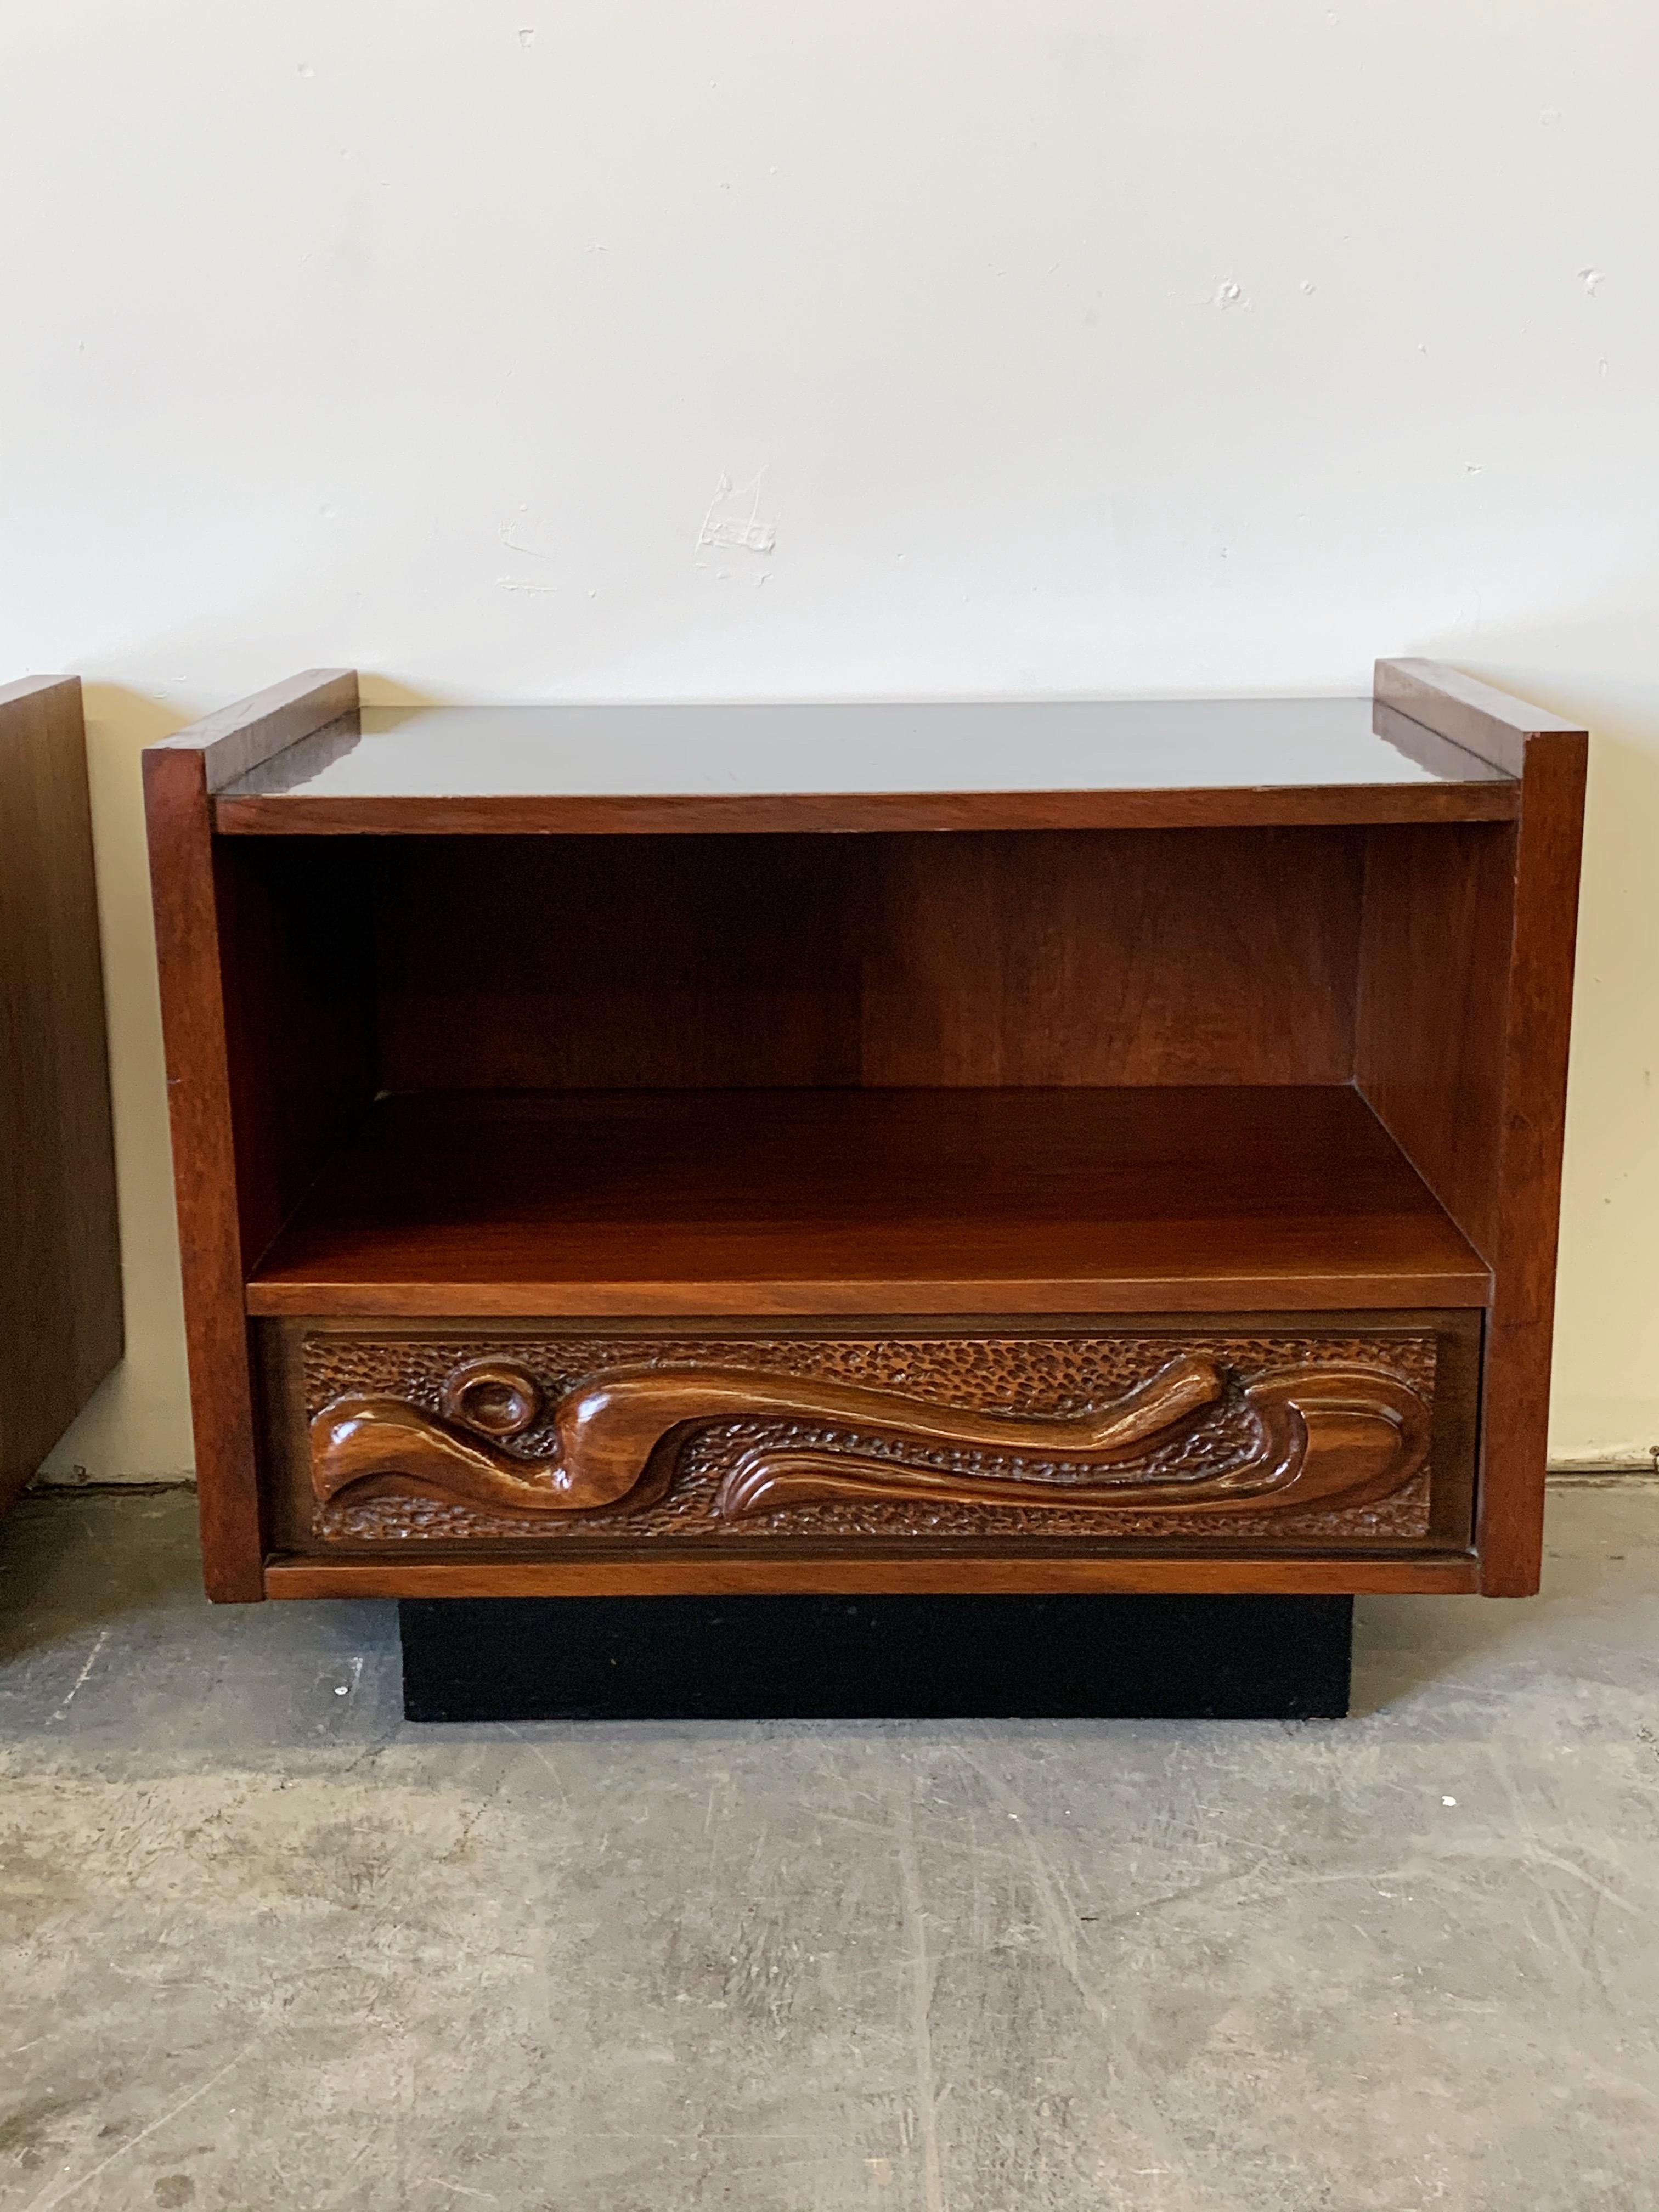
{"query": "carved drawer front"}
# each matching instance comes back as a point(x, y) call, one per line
point(1307, 1435)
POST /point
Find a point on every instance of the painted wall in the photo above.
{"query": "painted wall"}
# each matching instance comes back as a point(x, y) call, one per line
point(1076, 346)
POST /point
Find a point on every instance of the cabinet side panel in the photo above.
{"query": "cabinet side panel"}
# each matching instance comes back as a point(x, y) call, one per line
point(205, 1170)
point(296, 963)
point(1433, 998)
point(1515, 1441)
point(1464, 1013)
point(60, 1269)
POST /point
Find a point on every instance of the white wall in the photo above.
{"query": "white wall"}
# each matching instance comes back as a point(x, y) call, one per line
point(1085, 345)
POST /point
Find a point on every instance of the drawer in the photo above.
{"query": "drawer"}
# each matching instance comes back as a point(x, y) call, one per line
point(1319, 1433)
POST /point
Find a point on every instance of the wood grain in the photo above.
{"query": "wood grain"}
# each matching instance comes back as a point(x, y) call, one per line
point(1188, 1439)
point(182, 892)
point(1433, 994)
point(1510, 1524)
point(1334, 1438)
point(269, 1042)
point(772, 1572)
point(458, 1372)
point(1465, 1012)
point(1066, 958)
point(1475, 716)
point(1317, 805)
point(60, 1267)
point(1122, 958)
point(295, 935)
point(244, 736)
point(1102, 1200)
point(525, 963)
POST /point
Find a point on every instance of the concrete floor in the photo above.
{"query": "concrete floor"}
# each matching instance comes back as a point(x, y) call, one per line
point(265, 1945)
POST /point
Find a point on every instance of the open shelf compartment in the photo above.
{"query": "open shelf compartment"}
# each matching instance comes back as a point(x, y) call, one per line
point(905, 1201)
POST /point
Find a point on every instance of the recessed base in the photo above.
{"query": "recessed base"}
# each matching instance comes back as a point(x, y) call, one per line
point(857, 1658)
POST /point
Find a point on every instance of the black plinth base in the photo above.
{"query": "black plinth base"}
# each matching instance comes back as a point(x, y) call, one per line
point(857, 1658)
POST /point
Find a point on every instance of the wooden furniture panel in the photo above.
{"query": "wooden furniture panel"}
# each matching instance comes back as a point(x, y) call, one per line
point(230, 1178)
point(242, 740)
point(1466, 1014)
point(1476, 717)
point(295, 922)
point(1088, 957)
point(1111, 1200)
point(645, 962)
point(1433, 998)
point(820, 814)
point(1520, 1329)
point(1032, 1569)
point(982, 959)
point(60, 1265)
point(1342, 1432)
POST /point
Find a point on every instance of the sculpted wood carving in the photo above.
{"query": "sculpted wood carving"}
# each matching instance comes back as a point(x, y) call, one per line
point(1196, 1437)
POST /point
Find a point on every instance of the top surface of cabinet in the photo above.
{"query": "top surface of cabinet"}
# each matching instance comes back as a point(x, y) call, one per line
point(1036, 765)
point(1130, 745)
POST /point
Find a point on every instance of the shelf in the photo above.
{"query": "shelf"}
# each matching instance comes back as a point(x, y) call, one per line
point(879, 1201)
point(1060, 764)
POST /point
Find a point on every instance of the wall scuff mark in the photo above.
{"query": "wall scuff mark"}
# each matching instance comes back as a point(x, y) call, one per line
point(733, 521)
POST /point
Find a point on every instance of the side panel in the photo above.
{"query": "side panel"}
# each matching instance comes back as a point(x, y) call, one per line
point(1514, 1442)
point(254, 1094)
point(60, 1262)
point(1464, 1016)
point(187, 944)
point(296, 967)
point(1434, 979)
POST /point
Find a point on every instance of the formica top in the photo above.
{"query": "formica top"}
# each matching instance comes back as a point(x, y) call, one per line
point(775, 751)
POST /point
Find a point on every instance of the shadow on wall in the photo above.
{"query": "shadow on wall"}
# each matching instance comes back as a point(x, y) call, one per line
point(1603, 1410)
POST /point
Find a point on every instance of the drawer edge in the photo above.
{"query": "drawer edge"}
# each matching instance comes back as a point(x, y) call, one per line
point(860, 1574)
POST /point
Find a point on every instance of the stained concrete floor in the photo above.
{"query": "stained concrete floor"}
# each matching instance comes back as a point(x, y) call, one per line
point(265, 1945)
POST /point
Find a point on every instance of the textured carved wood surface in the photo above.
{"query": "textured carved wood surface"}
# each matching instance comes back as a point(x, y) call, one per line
point(1321, 1438)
